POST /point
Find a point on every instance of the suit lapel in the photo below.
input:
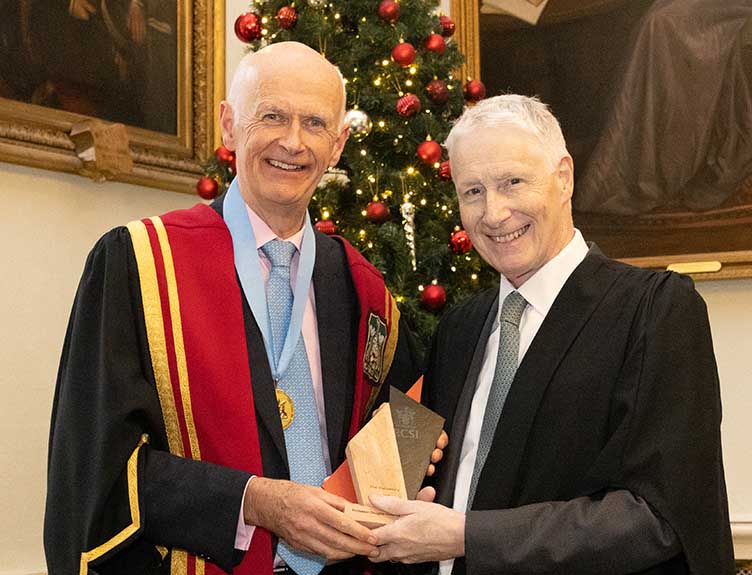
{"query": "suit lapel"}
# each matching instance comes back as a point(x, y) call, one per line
point(572, 308)
point(336, 326)
point(457, 370)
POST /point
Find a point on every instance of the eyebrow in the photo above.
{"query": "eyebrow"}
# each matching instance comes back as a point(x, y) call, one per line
point(268, 107)
point(469, 182)
point(274, 107)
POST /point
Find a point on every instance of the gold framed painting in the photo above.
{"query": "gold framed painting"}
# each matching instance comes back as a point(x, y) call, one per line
point(658, 126)
point(113, 89)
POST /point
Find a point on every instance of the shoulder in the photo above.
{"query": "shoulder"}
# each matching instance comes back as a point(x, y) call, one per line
point(118, 242)
point(641, 281)
point(199, 217)
point(656, 293)
point(113, 245)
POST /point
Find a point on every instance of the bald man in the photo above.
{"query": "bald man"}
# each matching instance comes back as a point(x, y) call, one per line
point(193, 421)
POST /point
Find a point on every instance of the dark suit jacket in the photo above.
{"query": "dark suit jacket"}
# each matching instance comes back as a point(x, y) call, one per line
point(106, 398)
point(617, 391)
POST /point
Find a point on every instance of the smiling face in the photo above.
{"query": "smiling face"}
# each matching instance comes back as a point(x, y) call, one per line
point(286, 129)
point(515, 206)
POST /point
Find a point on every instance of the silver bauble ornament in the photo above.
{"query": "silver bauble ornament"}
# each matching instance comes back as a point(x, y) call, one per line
point(360, 124)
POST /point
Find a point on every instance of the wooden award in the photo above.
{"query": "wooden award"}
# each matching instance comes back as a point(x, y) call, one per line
point(389, 456)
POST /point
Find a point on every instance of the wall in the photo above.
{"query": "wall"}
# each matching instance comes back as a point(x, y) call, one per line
point(730, 310)
point(48, 223)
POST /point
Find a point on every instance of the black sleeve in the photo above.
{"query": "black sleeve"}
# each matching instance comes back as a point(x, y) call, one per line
point(673, 457)
point(114, 493)
point(615, 533)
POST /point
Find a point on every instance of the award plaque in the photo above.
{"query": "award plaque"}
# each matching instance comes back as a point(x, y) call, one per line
point(389, 456)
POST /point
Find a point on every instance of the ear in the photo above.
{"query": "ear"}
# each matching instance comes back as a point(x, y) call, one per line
point(227, 124)
point(339, 145)
point(566, 178)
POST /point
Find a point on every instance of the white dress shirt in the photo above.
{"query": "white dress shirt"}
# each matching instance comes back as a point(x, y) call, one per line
point(310, 333)
point(539, 291)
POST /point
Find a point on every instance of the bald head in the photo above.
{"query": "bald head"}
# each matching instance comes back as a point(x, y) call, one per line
point(284, 120)
point(297, 62)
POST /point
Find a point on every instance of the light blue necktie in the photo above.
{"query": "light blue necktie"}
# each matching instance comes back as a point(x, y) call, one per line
point(303, 436)
point(506, 367)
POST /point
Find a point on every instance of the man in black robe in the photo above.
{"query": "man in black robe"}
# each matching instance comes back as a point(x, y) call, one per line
point(120, 499)
point(586, 427)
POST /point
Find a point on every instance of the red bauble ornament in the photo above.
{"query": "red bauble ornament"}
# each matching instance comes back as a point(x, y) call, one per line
point(435, 43)
point(438, 91)
point(377, 212)
point(433, 297)
point(474, 91)
point(207, 188)
point(224, 155)
point(248, 27)
point(460, 242)
point(389, 11)
point(429, 152)
point(447, 26)
point(408, 105)
point(287, 16)
point(445, 171)
point(227, 157)
point(327, 227)
point(404, 54)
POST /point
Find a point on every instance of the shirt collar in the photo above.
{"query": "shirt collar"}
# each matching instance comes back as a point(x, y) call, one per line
point(541, 289)
point(264, 233)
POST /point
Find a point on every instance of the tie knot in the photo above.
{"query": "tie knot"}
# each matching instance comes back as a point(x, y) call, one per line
point(511, 310)
point(279, 252)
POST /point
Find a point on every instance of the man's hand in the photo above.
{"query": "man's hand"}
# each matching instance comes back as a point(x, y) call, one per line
point(438, 453)
point(308, 518)
point(424, 531)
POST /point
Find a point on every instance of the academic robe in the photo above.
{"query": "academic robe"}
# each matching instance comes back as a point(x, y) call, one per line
point(106, 400)
point(617, 391)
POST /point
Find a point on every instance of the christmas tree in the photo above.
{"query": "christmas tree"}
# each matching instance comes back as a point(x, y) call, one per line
point(391, 194)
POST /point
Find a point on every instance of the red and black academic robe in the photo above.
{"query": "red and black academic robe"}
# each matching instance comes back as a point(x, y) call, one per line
point(617, 391)
point(165, 404)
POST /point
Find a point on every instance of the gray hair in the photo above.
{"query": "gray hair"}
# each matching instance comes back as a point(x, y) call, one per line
point(525, 112)
point(246, 73)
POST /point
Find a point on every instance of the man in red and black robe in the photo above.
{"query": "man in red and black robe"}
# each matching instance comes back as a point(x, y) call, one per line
point(165, 403)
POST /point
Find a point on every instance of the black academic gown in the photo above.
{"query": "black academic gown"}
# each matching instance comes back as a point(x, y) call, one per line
point(106, 398)
point(617, 391)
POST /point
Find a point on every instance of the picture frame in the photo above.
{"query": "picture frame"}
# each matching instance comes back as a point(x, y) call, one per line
point(41, 137)
point(710, 244)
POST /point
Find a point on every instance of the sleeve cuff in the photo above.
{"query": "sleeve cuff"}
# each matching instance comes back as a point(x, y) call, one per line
point(244, 532)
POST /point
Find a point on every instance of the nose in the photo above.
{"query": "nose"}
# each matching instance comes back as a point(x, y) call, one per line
point(498, 209)
point(292, 139)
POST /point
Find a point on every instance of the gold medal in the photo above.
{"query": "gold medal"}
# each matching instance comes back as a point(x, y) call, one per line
point(286, 408)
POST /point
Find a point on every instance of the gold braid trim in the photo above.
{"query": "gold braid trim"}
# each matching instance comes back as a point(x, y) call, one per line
point(177, 335)
point(121, 537)
point(179, 558)
point(147, 275)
